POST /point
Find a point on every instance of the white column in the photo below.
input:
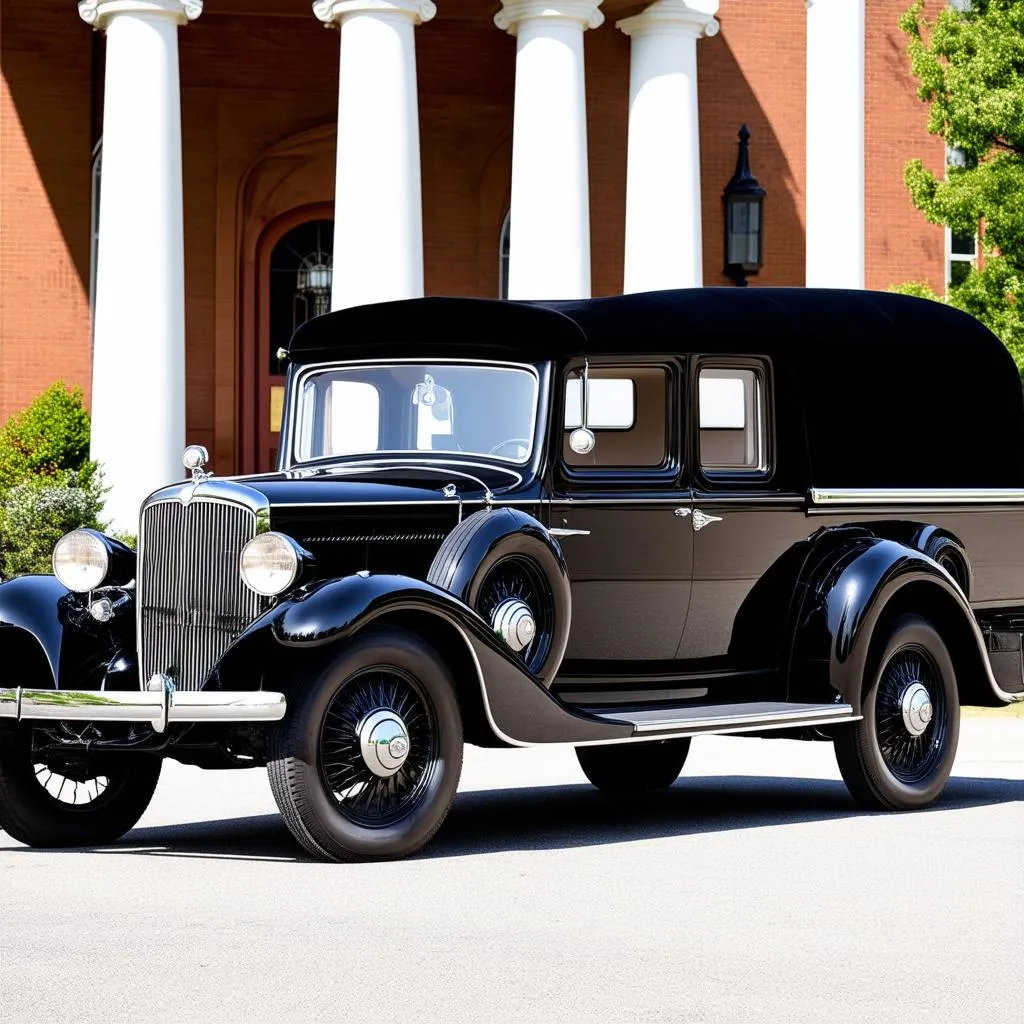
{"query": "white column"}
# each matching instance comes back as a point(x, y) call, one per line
point(663, 222)
point(835, 144)
point(138, 377)
point(378, 214)
point(550, 212)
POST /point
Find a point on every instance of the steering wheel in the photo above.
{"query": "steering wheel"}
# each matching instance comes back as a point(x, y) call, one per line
point(520, 442)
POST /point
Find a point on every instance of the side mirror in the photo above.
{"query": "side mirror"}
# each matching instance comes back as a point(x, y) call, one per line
point(582, 440)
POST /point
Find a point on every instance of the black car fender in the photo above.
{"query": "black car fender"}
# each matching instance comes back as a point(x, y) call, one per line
point(48, 639)
point(866, 578)
point(515, 707)
point(32, 623)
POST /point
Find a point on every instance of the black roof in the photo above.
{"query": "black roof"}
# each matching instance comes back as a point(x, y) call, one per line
point(894, 390)
point(711, 319)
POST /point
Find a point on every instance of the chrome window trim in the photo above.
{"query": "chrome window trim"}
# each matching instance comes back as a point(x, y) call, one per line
point(821, 496)
point(290, 461)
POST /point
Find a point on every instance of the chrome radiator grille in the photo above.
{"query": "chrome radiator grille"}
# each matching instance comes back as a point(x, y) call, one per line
point(192, 600)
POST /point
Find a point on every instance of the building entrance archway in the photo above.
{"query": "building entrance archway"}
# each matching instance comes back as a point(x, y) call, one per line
point(294, 269)
point(286, 211)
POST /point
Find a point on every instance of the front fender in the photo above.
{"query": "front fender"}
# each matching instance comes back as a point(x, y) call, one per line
point(35, 606)
point(41, 616)
point(519, 709)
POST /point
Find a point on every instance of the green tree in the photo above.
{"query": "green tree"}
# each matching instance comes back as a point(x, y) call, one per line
point(969, 61)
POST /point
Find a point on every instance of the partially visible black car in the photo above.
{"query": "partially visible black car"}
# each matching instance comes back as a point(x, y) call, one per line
point(617, 523)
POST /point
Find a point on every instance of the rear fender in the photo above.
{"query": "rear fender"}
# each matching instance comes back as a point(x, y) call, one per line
point(857, 585)
point(517, 708)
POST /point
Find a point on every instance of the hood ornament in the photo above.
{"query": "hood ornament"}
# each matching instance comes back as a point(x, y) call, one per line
point(194, 458)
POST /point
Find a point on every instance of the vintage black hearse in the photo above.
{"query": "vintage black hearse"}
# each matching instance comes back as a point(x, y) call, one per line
point(617, 523)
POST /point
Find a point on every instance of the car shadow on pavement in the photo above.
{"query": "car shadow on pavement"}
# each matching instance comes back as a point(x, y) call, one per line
point(566, 816)
point(554, 817)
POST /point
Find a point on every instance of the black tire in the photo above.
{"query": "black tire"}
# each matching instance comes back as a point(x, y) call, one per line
point(505, 552)
point(32, 814)
point(883, 763)
point(623, 768)
point(333, 804)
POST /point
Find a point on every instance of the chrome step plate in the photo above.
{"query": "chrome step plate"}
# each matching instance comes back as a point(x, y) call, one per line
point(726, 718)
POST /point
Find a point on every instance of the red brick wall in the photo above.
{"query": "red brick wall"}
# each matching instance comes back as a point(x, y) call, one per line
point(45, 149)
point(754, 71)
point(900, 245)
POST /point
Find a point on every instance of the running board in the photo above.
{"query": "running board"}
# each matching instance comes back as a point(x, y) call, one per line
point(726, 718)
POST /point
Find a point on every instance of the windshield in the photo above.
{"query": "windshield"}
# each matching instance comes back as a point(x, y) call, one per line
point(416, 407)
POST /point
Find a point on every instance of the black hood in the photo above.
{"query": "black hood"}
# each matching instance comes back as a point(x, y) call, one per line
point(367, 485)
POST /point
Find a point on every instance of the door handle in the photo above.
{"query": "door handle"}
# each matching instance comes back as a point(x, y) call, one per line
point(702, 519)
point(681, 512)
point(562, 531)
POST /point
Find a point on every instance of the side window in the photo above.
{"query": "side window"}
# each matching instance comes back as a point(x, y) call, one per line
point(627, 409)
point(733, 424)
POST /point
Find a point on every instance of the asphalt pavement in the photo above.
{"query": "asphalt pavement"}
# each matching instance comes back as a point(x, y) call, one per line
point(753, 890)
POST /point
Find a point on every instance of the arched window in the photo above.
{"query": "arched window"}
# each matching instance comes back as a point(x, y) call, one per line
point(300, 282)
point(94, 222)
point(503, 257)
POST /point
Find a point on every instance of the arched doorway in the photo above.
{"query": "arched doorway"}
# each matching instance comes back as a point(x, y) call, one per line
point(290, 185)
point(293, 284)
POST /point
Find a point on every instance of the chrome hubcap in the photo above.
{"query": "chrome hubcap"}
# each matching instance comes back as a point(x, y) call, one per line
point(917, 709)
point(384, 742)
point(513, 621)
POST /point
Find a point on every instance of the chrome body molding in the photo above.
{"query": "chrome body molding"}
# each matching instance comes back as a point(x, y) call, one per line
point(564, 531)
point(157, 707)
point(916, 496)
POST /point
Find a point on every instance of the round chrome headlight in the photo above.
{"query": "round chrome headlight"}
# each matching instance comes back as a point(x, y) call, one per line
point(81, 560)
point(270, 564)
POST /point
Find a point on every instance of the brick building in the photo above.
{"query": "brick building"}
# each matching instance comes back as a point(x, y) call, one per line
point(165, 297)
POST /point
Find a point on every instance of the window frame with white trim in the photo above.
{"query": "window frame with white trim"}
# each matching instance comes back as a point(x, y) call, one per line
point(753, 417)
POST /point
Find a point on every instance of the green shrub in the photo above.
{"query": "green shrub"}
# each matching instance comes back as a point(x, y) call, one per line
point(35, 515)
point(47, 438)
point(48, 485)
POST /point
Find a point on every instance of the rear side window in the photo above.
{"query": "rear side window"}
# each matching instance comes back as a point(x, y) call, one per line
point(627, 409)
point(733, 420)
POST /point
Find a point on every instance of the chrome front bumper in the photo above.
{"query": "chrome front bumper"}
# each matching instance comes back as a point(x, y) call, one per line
point(158, 707)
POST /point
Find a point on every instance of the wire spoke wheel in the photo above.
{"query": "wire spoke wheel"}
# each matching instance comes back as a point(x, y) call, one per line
point(517, 578)
point(910, 715)
point(72, 785)
point(378, 746)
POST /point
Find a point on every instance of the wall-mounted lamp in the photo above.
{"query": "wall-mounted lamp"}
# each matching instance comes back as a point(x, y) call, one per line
point(744, 218)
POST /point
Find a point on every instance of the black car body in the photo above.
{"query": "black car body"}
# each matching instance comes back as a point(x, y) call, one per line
point(774, 512)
